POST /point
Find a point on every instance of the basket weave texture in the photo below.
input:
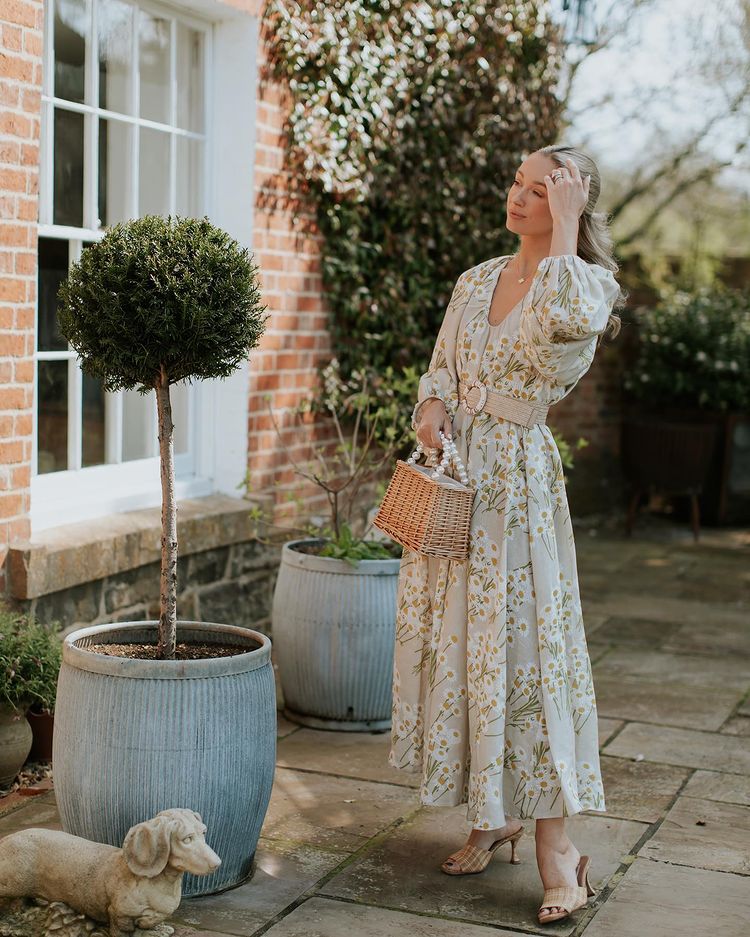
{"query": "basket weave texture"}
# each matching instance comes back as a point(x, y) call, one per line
point(430, 516)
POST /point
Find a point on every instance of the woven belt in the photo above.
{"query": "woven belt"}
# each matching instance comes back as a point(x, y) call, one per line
point(476, 397)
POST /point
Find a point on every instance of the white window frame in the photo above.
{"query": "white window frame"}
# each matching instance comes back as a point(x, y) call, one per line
point(218, 434)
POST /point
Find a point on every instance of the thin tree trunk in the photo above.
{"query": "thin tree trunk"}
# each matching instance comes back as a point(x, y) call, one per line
point(168, 616)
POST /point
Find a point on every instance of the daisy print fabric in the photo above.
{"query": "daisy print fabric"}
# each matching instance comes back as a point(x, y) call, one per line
point(493, 700)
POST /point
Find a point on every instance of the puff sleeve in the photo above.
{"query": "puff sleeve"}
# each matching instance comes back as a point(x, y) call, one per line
point(569, 304)
point(441, 378)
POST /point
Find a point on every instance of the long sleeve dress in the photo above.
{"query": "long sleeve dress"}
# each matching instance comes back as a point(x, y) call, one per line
point(493, 700)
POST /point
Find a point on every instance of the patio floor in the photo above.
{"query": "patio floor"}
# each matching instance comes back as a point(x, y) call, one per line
point(347, 850)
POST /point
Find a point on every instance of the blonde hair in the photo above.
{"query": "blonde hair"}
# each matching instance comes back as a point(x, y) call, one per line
point(594, 237)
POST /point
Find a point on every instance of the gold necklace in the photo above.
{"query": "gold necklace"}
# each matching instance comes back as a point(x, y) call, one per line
point(523, 278)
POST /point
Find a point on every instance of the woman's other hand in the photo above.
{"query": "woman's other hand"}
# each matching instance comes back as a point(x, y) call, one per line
point(433, 419)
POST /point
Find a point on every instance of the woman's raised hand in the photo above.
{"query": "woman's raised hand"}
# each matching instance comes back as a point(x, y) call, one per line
point(567, 197)
point(433, 419)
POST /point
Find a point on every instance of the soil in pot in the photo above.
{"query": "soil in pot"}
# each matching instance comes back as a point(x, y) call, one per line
point(182, 651)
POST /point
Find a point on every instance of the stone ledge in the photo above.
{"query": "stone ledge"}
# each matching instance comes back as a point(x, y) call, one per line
point(70, 555)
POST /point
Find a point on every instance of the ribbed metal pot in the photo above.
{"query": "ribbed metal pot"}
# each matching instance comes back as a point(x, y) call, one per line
point(333, 634)
point(133, 737)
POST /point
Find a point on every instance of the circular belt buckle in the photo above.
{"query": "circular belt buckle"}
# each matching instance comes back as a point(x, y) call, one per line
point(475, 397)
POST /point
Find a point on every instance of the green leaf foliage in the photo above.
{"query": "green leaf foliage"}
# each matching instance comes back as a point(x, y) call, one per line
point(177, 293)
point(694, 350)
point(30, 658)
point(408, 120)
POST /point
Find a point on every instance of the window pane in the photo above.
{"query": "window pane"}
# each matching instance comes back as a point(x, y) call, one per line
point(190, 200)
point(115, 28)
point(68, 185)
point(71, 21)
point(93, 421)
point(179, 394)
point(153, 39)
point(190, 71)
point(136, 425)
point(52, 423)
point(53, 268)
point(154, 173)
point(114, 171)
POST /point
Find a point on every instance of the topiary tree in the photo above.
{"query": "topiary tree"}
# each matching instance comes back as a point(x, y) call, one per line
point(154, 302)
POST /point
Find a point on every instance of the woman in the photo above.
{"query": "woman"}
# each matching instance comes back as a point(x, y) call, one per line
point(493, 699)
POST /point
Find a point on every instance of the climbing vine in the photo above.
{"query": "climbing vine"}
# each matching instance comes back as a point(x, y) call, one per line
point(408, 119)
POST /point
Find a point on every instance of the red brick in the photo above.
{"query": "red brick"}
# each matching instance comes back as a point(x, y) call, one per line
point(31, 101)
point(20, 477)
point(23, 370)
point(12, 180)
point(23, 425)
point(20, 12)
point(24, 263)
point(12, 291)
point(32, 42)
point(24, 318)
point(11, 451)
point(10, 150)
point(14, 67)
point(14, 235)
point(12, 37)
point(14, 398)
point(30, 154)
point(11, 505)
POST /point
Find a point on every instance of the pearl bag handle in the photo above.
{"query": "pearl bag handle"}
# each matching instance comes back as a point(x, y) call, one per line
point(450, 453)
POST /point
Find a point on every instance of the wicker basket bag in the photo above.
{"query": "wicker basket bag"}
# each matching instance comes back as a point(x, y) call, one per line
point(427, 511)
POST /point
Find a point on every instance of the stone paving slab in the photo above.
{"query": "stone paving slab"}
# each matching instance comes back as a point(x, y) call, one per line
point(639, 790)
point(703, 834)
point(653, 606)
point(655, 700)
point(323, 917)
point(685, 747)
point(337, 813)
point(737, 725)
point(33, 813)
point(635, 631)
point(725, 788)
point(607, 728)
point(712, 636)
point(284, 872)
point(723, 672)
point(656, 899)
point(350, 754)
point(403, 872)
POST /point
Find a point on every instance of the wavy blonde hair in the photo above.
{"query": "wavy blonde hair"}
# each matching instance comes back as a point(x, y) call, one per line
point(594, 237)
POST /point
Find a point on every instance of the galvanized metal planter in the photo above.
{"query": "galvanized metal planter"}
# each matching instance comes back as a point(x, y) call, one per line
point(133, 737)
point(333, 634)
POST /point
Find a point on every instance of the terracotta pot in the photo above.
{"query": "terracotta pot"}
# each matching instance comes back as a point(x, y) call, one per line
point(42, 727)
point(15, 743)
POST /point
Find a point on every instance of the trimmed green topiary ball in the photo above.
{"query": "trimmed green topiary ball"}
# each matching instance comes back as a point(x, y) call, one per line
point(156, 292)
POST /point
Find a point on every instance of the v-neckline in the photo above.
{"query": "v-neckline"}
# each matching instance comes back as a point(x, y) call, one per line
point(498, 271)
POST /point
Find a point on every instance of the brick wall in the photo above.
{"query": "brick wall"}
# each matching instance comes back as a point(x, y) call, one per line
point(20, 106)
point(284, 368)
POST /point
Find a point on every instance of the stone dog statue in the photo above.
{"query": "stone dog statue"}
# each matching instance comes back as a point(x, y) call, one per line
point(137, 886)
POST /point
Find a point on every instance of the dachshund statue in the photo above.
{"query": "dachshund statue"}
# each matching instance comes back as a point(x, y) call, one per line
point(137, 886)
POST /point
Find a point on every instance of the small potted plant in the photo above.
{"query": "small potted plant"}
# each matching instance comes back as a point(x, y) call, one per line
point(334, 605)
point(153, 715)
point(29, 667)
point(688, 393)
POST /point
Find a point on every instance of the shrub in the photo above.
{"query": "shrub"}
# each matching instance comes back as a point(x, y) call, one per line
point(694, 350)
point(30, 657)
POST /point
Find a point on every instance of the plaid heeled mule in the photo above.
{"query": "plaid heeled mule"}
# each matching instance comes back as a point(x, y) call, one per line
point(569, 898)
point(472, 859)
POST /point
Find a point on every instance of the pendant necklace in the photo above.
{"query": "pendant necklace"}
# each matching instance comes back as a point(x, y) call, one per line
point(525, 276)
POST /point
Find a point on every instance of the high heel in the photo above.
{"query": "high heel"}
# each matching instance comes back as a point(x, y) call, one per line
point(473, 859)
point(569, 898)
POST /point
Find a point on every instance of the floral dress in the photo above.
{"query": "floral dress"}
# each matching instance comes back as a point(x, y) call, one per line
point(493, 701)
